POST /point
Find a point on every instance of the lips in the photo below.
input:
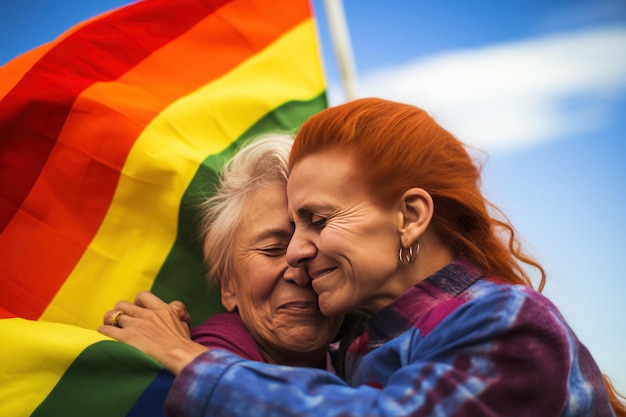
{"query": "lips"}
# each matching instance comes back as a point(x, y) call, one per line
point(321, 273)
point(318, 282)
point(300, 305)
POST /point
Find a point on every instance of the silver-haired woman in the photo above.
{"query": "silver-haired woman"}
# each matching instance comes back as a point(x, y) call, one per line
point(273, 314)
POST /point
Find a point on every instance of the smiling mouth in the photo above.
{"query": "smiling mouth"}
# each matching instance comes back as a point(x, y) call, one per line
point(321, 273)
point(300, 306)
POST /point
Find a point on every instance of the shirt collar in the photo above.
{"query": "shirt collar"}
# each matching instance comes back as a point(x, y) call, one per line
point(404, 311)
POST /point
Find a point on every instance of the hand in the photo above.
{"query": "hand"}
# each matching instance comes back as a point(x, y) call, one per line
point(159, 329)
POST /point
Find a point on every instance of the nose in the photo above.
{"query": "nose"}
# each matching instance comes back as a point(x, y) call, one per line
point(300, 250)
point(298, 276)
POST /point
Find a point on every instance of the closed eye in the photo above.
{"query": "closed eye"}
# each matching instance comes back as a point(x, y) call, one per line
point(318, 222)
point(274, 251)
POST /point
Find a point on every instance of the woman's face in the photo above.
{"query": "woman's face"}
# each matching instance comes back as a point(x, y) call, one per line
point(275, 301)
point(348, 243)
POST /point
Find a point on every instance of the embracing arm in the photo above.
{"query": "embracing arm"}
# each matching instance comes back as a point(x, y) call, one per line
point(507, 354)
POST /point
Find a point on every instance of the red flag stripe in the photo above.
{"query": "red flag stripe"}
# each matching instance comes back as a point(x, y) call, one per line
point(30, 127)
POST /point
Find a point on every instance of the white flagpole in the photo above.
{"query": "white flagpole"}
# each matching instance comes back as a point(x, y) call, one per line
point(342, 46)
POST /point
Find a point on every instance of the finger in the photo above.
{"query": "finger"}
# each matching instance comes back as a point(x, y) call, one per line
point(108, 316)
point(110, 331)
point(121, 306)
point(112, 318)
point(179, 305)
point(124, 305)
point(131, 309)
point(148, 300)
point(180, 308)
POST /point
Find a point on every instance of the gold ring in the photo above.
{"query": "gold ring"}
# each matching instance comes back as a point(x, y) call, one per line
point(116, 317)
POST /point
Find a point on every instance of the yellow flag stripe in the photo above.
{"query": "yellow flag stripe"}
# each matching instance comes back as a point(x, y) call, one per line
point(45, 351)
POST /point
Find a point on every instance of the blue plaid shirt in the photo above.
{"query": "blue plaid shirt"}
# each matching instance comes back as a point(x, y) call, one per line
point(456, 344)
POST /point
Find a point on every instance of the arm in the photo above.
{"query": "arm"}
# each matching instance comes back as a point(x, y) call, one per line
point(502, 354)
point(220, 383)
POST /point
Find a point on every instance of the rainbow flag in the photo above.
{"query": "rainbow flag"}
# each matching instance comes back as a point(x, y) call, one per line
point(110, 137)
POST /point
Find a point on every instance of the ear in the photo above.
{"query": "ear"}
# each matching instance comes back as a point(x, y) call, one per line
point(229, 294)
point(416, 212)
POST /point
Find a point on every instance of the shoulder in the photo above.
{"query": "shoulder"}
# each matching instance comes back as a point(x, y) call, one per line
point(491, 309)
point(512, 304)
point(509, 326)
point(219, 320)
point(509, 302)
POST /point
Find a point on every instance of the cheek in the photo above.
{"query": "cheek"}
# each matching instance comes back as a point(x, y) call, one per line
point(260, 282)
point(373, 254)
point(254, 294)
point(341, 237)
point(373, 238)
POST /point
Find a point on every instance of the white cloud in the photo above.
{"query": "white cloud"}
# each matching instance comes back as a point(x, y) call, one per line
point(517, 94)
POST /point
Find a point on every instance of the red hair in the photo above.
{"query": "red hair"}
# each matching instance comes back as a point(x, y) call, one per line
point(398, 147)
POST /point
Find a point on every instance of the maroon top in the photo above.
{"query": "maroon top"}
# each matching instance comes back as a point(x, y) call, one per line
point(228, 332)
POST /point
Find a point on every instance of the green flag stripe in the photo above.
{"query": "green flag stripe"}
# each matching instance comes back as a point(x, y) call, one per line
point(106, 379)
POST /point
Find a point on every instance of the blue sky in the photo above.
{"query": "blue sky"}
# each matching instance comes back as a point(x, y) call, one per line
point(539, 87)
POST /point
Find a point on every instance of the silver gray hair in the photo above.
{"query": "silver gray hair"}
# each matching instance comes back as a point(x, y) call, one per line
point(260, 162)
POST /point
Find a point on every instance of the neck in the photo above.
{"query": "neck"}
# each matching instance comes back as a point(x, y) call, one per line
point(433, 255)
point(314, 359)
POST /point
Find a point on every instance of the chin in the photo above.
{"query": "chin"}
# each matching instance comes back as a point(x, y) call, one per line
point(305, 346)
point(329, 309)
point(306, 340)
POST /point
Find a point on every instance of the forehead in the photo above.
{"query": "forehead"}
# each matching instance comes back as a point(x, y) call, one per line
point(265, 213)
point(322, 179)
